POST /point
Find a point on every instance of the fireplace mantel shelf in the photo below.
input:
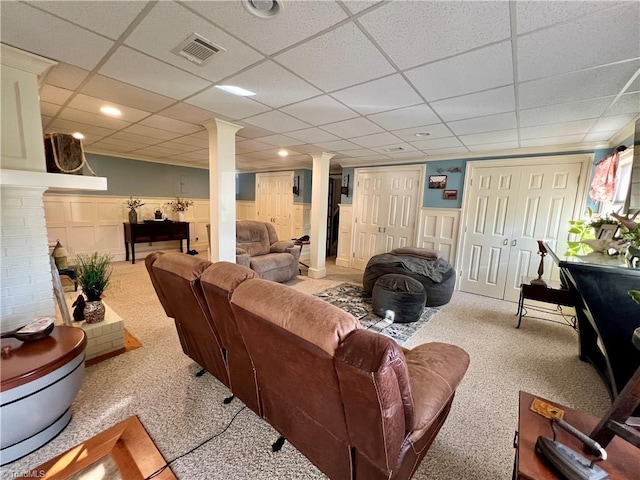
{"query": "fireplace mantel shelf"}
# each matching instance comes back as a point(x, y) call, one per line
point(51, 181)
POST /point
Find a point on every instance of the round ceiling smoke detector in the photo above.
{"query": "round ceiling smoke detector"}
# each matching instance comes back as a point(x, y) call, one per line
point(262, 8)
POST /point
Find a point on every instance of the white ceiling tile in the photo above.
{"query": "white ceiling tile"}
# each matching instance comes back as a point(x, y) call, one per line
point(599, 136)
point(502, 121)
point(158, 150)
point(339, 145)
point(552, 141)
point(345, 50)
point(51, 94)
point(490, 137)
point(254, 146)
point(597, 82)
point(279, 140)
point(564, 112)
point(396, 149)
point(379, 95)
point(480, 104)
point(124, 143)
point(617, 122)
point(491, 66)
point(188, 113)
point(363, 152)
point(627, 103)
point(251, 131)
point(151, 74)
point(441, 28)
point(532, 15)
point(43, 34)
point(166, 123)
point(151, 132)
point(224, 103)
point(62, 125)
point(273, 85)
point(492, 146)
point(356, 127)
point(312, 135)
point(98, 120)
point(356, 6)
point(101, 17)
point(277, 122)
point(309, 149)
point(376, 139)
point(49, 109)
point(99, 147)
point(109, 89)
point(93, 105)
point(320, 110)
point(437, 130)
point(445, 151)
point(556, 130)
point(415, 116)
point(176, 24)
point(437, 143)
point(610, 36)
point(132, 137)
point(66, 76)
point(295, 22)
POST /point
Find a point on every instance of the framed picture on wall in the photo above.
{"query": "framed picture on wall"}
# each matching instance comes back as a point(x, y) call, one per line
point(450, 194)
point(437, 181)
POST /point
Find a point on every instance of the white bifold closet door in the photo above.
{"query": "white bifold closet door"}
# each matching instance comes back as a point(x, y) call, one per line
point(274, 201)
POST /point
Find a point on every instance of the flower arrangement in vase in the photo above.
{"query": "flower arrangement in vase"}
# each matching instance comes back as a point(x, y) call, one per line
point(180, 205)
point(93, 273)
point(133, 204)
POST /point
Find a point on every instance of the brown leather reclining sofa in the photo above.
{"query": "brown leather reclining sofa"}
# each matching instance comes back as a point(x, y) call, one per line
point(352, 401)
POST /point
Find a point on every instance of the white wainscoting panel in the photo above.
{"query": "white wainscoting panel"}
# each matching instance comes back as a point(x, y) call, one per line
point(245, 210)
point(345, 229)
point(439, 230)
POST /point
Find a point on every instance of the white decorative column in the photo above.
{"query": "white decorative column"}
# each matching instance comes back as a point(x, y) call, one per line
point(319, 211)
point(222, 189)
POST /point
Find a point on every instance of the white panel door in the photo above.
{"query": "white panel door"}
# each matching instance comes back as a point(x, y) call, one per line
point(489, 224)
point(369, 217)
point(275, 201)
point(401, 208)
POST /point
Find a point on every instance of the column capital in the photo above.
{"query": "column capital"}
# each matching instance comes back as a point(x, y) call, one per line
point(215, 123)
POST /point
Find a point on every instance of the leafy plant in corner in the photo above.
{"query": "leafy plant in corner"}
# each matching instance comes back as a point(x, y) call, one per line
point(583, 230)
point(94, 272)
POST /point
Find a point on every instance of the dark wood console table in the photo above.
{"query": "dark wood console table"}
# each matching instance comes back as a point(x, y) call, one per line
point(153, 232)
point(607, 315)
point(622, 459)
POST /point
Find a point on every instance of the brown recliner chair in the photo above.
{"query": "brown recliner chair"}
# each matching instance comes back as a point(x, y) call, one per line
point(218, 282)
point(176, 279)
point(291, 338)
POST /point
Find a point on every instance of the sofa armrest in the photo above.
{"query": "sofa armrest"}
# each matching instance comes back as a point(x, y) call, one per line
point(295, 251)
point(281, 246)
point(242, 257)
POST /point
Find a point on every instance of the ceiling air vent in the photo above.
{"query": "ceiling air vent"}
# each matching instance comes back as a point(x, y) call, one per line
point(394, 149)
point(197, 49)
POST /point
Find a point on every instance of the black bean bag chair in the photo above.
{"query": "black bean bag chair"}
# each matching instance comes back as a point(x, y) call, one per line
point(436, 274)
point(400, 294)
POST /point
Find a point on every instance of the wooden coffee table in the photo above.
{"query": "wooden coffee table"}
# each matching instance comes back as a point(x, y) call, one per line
point(623, 461)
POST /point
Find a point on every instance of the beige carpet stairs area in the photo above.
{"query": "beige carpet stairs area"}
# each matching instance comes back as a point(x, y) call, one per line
point(157, 383)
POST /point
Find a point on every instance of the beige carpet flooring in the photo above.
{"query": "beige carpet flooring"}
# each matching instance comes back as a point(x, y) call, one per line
point(157, 383)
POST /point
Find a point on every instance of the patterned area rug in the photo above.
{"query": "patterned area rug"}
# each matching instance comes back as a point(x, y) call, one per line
point(358, 303)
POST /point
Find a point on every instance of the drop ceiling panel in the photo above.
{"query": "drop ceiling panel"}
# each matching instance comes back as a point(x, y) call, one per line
point(379, 95)
point(65, 76)
point(159, 151)
point(60, 125)
point(279, 140)
point(395, 149)
point(543, 142)
point(617, 122)
point(93, 105)
point(100, 17)
point(492, 146)
point(445, 151)
point(490, 137)
point(277, 122)
point(176, 24)
point(295, 22)
point(254, 146)
point(320, 110)
point(356, 6)
point(49, 109)
point(124, 143)
point(345, 50)
point(166, 123)
point(532, 15)
point(312, 135)
point(224, 103)
point(356, 127)
point(37, 32)
point(415, 116)
point(98, 120)
point(148, 73)
point(599, 136)
point(564, 112)
point(491, 66)
point(151, 132)
point(133, 137)
point(597, 82)
point(363, 152)
point(501, 121)
point(498, 100)
point(442, 28)
point(437, 143)
point(109, 89)
point(251, 131)
point(610, 36)
point(437, 130)
point(375, 140)
point(51, 94)
point(101, 147)
point(556, 130)
point(188, 113)
point(339, 145)
point(627, 103)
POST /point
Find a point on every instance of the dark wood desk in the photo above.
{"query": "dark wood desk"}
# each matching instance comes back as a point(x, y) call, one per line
point(623, 462)
point(153, 232)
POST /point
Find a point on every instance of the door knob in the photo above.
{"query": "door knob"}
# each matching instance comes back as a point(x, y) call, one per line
point(505, 241)
point(513, 244)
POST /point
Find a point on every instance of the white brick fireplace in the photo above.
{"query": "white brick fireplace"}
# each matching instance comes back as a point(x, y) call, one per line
point(25, 272)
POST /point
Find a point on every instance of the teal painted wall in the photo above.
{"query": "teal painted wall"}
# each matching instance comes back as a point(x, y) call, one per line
point(454, 170)
point(306, 177)
point(127, 177)
point(348, 200)
point(246, 187)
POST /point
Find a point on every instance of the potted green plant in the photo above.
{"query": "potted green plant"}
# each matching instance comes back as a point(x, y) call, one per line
point(94, 272)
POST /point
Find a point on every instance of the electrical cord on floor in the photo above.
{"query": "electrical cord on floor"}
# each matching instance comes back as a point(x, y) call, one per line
point(166, 465)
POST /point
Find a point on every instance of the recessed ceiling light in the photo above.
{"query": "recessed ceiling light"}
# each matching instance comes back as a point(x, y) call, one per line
point(236, 90)
point(262, 8)
point(283, 153)
point(422, 134)
point(111, 111)
point(78, 135)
